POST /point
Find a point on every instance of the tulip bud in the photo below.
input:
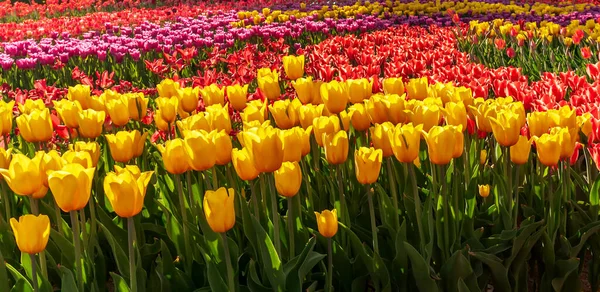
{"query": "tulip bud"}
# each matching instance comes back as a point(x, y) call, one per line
point(6, 117)
point(31, 233)
point(292, 139)
point(31, 105)
point(35, 126)
point(244, 164)
point(393, 86)
point(118, 110)
point(327, 223)
point(122, 145)
point(359, 89)
point(219, 209)
point(212, 94)
point(367, 164)
point(71, 186)
point(405, 141)
point(200, 150)
point(484, 190)
point(376, 109)
point(218, 118)
point(90, 123)
point(266, 147)
point(483, 157)
point(519, 153)
point(237, 96)
point(168, 88)
point(336, 147)
point(137, 104)
point(77, 157)
point(417, 88)
point(308, 113)
point(285, 113)
point(223, 146)
point(126, 190)
point(198, 121)
point(168, 107)
point(80, 93)
point(254, 112)
point(293, 66)
point(269, 85)
point(325, 125)
point(506, 128)
point(439, 139)
point(335, 96)
point(381, 138)
point(189, 99)
point(5, 157)
point(174, 156)
point(288, 179)
point(92, 148)
point(548, 149)
point(68, 112)
point(23, 175)
point(304, 89)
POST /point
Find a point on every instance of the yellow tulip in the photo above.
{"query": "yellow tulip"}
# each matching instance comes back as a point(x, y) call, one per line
point(417, 88)
point(80, 93)
point(200, 149)
point(68, 111)
point(293, 66)
point(90, 123)
point(325, 125)
point(304, 89)
point(31, 233)
point(237, 96)
point(118, 110)
point(585, 123)
point(548, 149)
point(376, 109)
point(335, 96)
point(51, 161)
point(439, 139)
point(393, 86)
point(285, 113)
point(288, 179)
point(23, 175)
point(519, 153)
point(93, 148)
point(442, 91)
point(122, 145)
point(305, 140)
point(139, 140)
point(484, 190)
point(336, 147)
point(456, 114)
point(212, 94)
point(405, 141)
point(308, 113)
point(197, 121)
point(427, 114)
point(174, 156)
point(359, 117)
point(483, 154)
point(266, 147)
point(262, 72)
point(223, 145)
point(482, 110)
point(269, 85)
point(168, 88)
point(381, 138)
point(539, 123)
point(565, 117)
point(168, 107)
point(244, 164)
point(35, 126)
point(395, 107)
point(188, 101)
point(506, 127)
point(219, 209)
point(292, 143)
point(5, 157)
point(367, 164)
point(567, 139)
point(327, 223)
point(126, 189)
point(253, 112)
point(6, 117)
point(218, 118)
point(71, 186)
point(137, 105)
point(359, 89)
point(31, 105)
point(78, 157)
point(459, 142)
point(316, 92)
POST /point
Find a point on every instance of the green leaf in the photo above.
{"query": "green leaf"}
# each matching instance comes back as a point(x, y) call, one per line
point(120, 255)
point(214, 278)
point(520, 240)
point(67, 281)
point(455, 269)
point(420, 269)
point(462, 287)
point(120, 283)
point(43, 283)
point(18, 276)
point(499, 272)
point(590, 230)
point(291, 269)
point(566, 268)
point(254, 283)
point(66, 248)
point(170, 272)
point(3, 274)
point(22, 285)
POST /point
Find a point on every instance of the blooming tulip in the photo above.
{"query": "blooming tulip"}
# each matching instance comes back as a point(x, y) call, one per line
point(548, 149)
point(506, 128)
point(376, 109)
point(200, 149)
point(335, 96)
point(456, 114)
point(122, 145)
point(218, 118)
point(266, 147)
point(77, 157)
point(197, 121)
point(439, 140)
point(304, 89)
point(381, 138)
point(51, 161)
point(427, 113)
point(168, 88)
point(126, 189)
point(336, 147)
point(35, 126)
point(237, 96)
point(293, 66)
point(484, 190)
point(417, 88)
point(292, 143)
point(359, 117)
point(519, 153)
point(395, 108)
point(80, 93)
point(31, 105)
point(269, 85)
point(405, 141)
point(325, 125)
point(327, 223)
point(567, 139)
point(359, 89)
point(219, 209)
point(565, 117)
point(223, 146)
point(174, 156)
point(393, 86)
point(90, 123)
point(71, 186)
point(93, 148)
point(118, 110)
point(243, 163)
point(367, 164)
point(212, 94)
point(168, 107)
point(23, 175)
point(31, 233)
point(285, 113)
point(137, 105)
point(188, 102)
point(308, 113)
point(68, 111)
point(288, 179)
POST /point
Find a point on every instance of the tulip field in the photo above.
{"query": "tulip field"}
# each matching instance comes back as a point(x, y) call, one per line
point(278, 145)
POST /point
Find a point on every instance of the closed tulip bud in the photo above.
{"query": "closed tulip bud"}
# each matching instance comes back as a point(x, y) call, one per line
point(359, 89)
point(6, 117)
point(506, 128)
point(93, 148)
point(31, 105)
point(189, 99)
point(126, 189)
point(548, 149)
point(51, 161)
point(174, 156)
point(395, 107)
point(483, 156)
point(90, 123)
point(359, 117)
point(393, 86)
point(168, 108)
point(405, 141)
point(367, 164)
point(237, 96)
point(266, 147)
point(35, 126)
point(223, 145)
point(68, 111)
point(381, 138)
point(288, 179)
point(519, 153)
point(139, 140)
point(345, 119)
point(459, 143)
point(336, 147)
point(304, 89)
point(23, 175)
point(327, 222)
point(168, 88)
point(31, 233)
point(335, 96)
point(429, 115)
point(71, 186)
point(285, 113)
point(293, 66)
point(308, 113)
point(218, 118)
point(376, 109)
point(219, 208)
point(417, 88)
point(5, 157)
point(118, 110)
point(585, 123)
point(80, 93)
point(456, 114)
point(122, 145)
point(137, 105)
point(254, 113)
point(484, 190)
point(567, 139)
point(159, 122)
point(305, 140)
point(197, 121)
point(200, 149)
point(439, 139)
point(292, 139)
point(77, 157)
point(565, 117)
point(244, 164)
point(269, 85)
point(325, 125)
point(212, 94)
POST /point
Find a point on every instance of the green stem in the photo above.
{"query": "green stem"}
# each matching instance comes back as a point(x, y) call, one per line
point(77, 243)
point(373, 224)
point(394, 191)
point(35, 209)
point(290, 218)
point(253, 185)
point(215, 184)
point(6, 200)
point(83, 228)
point(516, 215)
point(131, 242)
point(92, 204)
point(230, 275)
point(188, 178)
point(58, 218)
point(275, 217)
point(343, 215)
point(329, 284)
point(446, 205)
point(33, 272)
point(508, 175)
point(309, 201)
point(184, 220)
